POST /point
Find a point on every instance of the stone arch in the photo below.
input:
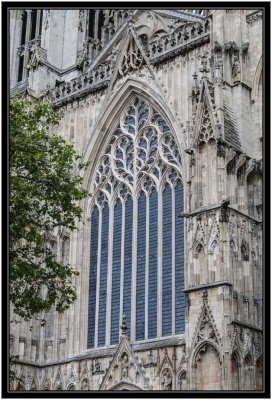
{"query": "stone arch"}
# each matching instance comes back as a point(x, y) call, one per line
point(84, 384)
point(257, 93)
point(233, 261)
point(257, 78)
point(123, 385)
point(254, 192)
point(214, 261)
point(207, 353)
point(200, 263)
point(248, 372)
point(20, 386)
point(110, 116)
point(182, 380)
point(134, 126)
point(71, 386)
point(166, 379)
point(259, 373)
point(235, 371)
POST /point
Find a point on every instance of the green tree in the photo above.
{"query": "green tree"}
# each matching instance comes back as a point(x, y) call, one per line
point(45, 192)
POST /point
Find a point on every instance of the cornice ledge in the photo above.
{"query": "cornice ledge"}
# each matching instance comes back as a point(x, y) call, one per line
point(182, 49)
point(207, 286)
point(81, 93)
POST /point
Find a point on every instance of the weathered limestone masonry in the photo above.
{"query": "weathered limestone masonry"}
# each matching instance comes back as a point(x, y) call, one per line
point(202, 71)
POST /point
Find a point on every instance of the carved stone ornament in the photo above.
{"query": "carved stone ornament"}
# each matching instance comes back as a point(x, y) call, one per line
point(206, 130)
point(124, 365)
point(166, 379)
point(37, 55)
point(81, 56)
point(236, 70)
point(152, 360)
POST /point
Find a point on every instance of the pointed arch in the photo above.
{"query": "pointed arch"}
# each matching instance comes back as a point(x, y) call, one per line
point(207, 353)
point(123, 385)
point(182, 380)
point(139, 152)
point(235, 371)
point(110, 116)
point(257, 79)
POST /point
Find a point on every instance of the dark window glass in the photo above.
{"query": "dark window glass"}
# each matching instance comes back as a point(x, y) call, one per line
point(24, 22)
point(33, 24)
point(153, 266)
point(167, 262)
point(93, 276)
point(116, 269)
point(41, 19)
point(21, 68)
point(179, 259)
point(101, 19)
point(91, 23)
point(128, 262)
point(103, 277)
point(140, 284)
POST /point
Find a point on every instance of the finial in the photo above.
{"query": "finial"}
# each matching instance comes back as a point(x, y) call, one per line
point(124, 325)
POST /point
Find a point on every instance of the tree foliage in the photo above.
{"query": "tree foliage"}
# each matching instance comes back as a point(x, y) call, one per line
point(45, 192)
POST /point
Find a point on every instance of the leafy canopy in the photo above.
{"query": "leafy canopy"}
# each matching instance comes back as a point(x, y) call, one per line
point(45, 191)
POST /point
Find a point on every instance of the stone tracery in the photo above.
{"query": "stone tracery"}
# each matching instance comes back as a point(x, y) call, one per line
point(140, 167)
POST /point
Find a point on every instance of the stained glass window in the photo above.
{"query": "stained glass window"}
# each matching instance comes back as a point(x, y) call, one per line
point(137, 267)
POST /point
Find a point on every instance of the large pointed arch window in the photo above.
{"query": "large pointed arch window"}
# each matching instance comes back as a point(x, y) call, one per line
point(137, 232)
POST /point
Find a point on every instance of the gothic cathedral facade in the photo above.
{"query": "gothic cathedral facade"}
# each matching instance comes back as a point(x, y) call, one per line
point(167, 106)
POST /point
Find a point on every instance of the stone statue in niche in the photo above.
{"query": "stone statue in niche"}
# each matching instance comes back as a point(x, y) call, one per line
point(236, 70)
point(124, 366)
point(166, 380)
point(219, 69)
point(84, 384)
point(97, 366)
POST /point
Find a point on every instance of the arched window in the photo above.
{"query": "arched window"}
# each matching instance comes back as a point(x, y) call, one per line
point(235, 372)
point(91, 23)
point(31, 29)
point(137, 251)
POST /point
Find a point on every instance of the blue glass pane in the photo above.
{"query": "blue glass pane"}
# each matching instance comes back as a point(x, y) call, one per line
point(128, 262)
point(140, 283)
point(153, 265)
point(103, 277)
point(167, 262)
point(116, 270)
point(179, 256)
point(92, 276)
point(130, 120)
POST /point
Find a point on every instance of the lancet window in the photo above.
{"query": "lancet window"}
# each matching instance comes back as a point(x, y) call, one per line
point(137, 232)
point(31, 29)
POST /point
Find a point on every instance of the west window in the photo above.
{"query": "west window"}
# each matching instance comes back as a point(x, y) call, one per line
point(137, 232)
